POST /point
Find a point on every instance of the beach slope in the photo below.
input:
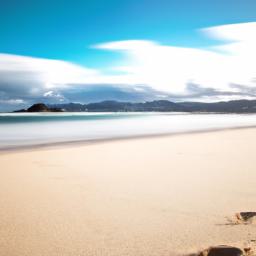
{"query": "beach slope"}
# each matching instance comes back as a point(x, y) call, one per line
point(158, 196)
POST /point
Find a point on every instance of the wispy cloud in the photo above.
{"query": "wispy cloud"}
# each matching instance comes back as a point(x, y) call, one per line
point(225, 71)
point(170, 68)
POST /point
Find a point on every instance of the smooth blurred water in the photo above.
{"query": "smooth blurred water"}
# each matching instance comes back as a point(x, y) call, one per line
point(23, 129)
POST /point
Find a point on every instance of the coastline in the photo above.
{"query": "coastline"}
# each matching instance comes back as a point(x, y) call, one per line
point(162, 195)
point(86, 142)
point(23, 135)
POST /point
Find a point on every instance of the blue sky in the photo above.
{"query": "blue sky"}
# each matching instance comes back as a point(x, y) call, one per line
point(66, 29)
point(83, 32)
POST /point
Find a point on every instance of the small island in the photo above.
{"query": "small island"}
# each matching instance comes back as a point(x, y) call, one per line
point(39, 107)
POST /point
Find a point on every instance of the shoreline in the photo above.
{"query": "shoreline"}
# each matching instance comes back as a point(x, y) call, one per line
point(79, 143)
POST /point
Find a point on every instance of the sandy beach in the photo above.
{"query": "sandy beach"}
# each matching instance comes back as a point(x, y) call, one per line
point(159, 196)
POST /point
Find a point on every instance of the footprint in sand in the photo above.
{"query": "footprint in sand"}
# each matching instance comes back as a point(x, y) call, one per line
point(246, 217)
point(224, 250)
point(242, 218)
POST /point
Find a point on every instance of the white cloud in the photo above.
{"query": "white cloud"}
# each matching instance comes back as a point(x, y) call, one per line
point(46, 71)
point(128, 45)
point(233, 32)
point(224, 71)
point(170, 68)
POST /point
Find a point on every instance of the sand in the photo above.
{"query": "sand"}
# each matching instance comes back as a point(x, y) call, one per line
point(151, 196)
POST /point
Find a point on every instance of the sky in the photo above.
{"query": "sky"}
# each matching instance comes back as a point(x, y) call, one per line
point(136, 50)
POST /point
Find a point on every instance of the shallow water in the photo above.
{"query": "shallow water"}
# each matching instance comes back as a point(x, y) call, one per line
point(25, 129)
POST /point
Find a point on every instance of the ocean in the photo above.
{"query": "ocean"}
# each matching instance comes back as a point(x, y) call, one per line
point(31, 129)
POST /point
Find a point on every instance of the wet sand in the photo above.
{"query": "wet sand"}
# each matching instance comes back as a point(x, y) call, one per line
point(156, 196)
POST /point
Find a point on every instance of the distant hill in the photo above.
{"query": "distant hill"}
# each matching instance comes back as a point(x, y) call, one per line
point(236, 106)
point(116, 106)
point(39, 107)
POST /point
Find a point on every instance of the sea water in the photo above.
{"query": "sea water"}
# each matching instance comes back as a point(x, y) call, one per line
point(28, 129)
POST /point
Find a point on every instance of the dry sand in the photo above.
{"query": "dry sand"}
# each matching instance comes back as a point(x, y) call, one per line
point(152, 196)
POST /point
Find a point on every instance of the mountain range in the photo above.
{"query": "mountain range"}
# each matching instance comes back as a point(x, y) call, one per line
point(235, 106)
